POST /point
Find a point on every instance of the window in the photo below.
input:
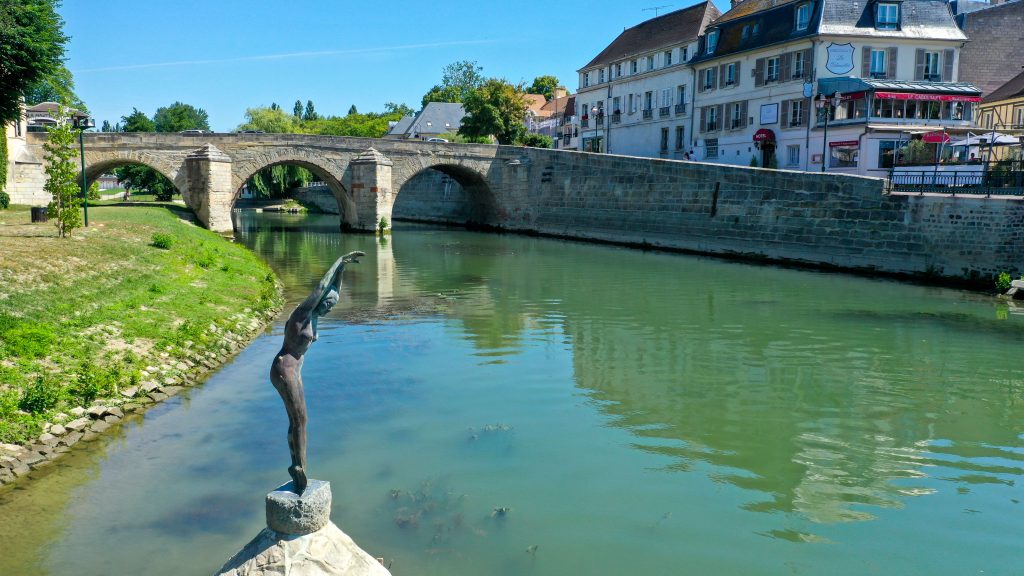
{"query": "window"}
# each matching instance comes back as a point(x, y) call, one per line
point(887, 16)
point(664, 139)
point(618, 70)
point(1018, 117)
point(746, 32)
point(633, 67)
point(803, 16)
point(650, 63)
point(600, 76)
point(648, 100)
point(684, 54)
point(844, 154)
point(709, 79)
point(793, 155)
point(796, 113)
point(711, 147)
point(680, 95)
point(736, 116)
point(887, 153)
point(772, 73)
point(712, 41)
point(712, 119)
point(668, 58)
point(679, 138)
point(630, 106)
point(987, 122)
point(932, 72)
point(799, 62)
point(586, 79)
point(616, 105)
point(878, 63)
point(730, 74)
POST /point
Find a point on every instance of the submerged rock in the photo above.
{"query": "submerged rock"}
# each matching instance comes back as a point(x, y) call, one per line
point(326, 551)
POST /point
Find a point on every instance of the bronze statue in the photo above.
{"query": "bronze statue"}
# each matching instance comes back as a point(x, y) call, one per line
point(286, 371)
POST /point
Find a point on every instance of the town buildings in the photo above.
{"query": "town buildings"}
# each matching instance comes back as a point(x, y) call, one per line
point(634, 96)
point(434, 121)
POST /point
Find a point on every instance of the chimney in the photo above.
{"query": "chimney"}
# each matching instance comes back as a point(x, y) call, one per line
point(560, 92)
point(736, 3)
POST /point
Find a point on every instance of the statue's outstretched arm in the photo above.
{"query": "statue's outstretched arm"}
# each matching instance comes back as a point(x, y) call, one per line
point(332, 279)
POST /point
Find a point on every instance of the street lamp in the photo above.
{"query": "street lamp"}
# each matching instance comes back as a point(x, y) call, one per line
point(827, 104)
point(593, 114)
point(84, 123)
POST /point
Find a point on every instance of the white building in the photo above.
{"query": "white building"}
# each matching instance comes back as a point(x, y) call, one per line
point(893, 62)
point(634, 97)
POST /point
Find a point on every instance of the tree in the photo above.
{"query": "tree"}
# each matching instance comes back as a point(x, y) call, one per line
point(495, 109)
point(106, 127)
point(274, 106)
point(61, 181)
point(31, 47)
point(179, 116)
point(400, 109)
point(310, 113)
point(297, 110)
point(544, 85)
point(137, 122)
point(352, 110)
point(269, 120)
point(458, 81)
point(55, 86)
point(535, 140)
point(137, 177)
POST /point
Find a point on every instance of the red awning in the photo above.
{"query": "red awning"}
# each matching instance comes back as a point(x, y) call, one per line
point(937, 137)
point(764, 135)
point(919, 96)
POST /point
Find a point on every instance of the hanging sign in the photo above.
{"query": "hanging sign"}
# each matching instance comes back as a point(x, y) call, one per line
point(840, 58)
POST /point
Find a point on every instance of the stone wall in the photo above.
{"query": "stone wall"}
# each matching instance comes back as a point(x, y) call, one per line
point(810, 218)
point(319, 196)
point(432, 196)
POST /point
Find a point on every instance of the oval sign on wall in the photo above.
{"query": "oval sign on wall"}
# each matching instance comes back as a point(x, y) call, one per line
point(840, 58)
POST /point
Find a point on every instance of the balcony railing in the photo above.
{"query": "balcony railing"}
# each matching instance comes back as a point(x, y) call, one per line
point(600, 120)
point(648, 114)
point(616, 118)
point(712, 126)
point(680, 109)
point(585, 123)
point(663, 111)
point(1002, 178)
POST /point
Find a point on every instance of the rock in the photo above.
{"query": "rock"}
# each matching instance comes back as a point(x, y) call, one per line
point(112, 419)
point(158, 397)
point(90, 435)
point(129, 392)
point(171, 390)
point(7, 461)
point(43, 449)
point(6, 476)
point(10, 448)
point(47, 426)
point(78, 411)
point(99, 426)
point(78, 425)
point(61, 418)
point(31, 458)
point(291, 513)
point(58, 430)
point(71, 439)
point(328, 551)
point(40, 464)
point(131, 407)
point(21, 470)
point(150, 386)
point(96, 412)
point(150, 369)
point(48, 439)
point(181, 366)
point(113, 411)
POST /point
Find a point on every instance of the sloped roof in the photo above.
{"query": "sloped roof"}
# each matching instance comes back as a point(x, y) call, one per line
point(437, 118)
point(749, 7)
point(765, 25)
point(535, 104)
point(402, 125)
point(1012, 89)
point(667, 30)
point(926, 19)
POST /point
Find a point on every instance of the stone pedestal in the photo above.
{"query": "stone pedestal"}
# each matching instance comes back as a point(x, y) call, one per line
point(209, 193)
point(300, 540)
point(371, 189)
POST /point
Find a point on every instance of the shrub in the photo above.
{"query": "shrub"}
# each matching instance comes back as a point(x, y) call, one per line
point(163, 241)
point(1003, 281)
point(5, 200)
point(29, 341)
point(383, 225)
point(39, 397)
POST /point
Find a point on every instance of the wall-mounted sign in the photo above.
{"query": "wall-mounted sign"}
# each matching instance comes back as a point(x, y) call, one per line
point(844, 144)
point(840, 58)
point(808, 89)
point(770, 113)
point(916, 96)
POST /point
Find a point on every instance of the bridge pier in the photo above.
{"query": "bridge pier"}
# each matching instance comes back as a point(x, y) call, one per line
point(208, 191)
point(371, 190)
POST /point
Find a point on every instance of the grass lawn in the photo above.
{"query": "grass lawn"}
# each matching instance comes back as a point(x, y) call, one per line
point(83, 318)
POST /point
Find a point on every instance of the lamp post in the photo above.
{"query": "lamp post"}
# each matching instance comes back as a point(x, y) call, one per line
point(827, 104)
point(83, 124)
point(593, 114)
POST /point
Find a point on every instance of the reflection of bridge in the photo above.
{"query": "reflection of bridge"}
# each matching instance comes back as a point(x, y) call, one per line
point(825, 219)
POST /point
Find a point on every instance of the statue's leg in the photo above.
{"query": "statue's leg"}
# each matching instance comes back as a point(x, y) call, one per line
point(294, 399)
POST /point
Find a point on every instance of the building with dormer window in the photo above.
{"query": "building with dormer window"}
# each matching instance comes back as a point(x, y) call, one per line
point(635, 96)
point(761, 66)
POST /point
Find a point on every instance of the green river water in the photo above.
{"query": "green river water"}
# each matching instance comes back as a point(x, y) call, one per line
point(634, 412)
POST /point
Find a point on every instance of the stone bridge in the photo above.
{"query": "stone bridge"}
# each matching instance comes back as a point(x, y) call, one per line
point(830, 220)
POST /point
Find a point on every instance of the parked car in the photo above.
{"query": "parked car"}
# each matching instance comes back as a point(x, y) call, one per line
point(194, 132)
point(251, 132)
point(437, 140)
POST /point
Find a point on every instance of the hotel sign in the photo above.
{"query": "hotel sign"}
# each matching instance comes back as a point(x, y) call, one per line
point(840, 58)
point(914, 96)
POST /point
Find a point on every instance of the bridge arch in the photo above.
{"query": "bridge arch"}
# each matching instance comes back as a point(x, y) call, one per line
point(97, 164)
point(324, 169)
point(423, 195)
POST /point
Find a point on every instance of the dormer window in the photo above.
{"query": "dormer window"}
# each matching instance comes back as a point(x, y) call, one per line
point(712, 41)
point(803, 16)
point(887, 16)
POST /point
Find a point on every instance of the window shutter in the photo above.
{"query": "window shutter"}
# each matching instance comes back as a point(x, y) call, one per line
point(807, 63)
point(786, 67)
point(721, 109)
point(714, 77)
point(743, 110)
point(728, 116)
point(890, 69)
point(758, 72)
point(947, 64)
point(919, 64)
point(805, 112)
point(738, 67)
point(865, 62)
point(721, 76)
point(704, 119)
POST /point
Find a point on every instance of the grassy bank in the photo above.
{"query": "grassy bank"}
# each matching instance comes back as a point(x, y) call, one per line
point(91, 316)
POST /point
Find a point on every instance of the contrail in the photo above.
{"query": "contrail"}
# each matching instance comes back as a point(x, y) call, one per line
point(286, 55)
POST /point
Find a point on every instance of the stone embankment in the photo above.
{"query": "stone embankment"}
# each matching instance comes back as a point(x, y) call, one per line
point(188, 368)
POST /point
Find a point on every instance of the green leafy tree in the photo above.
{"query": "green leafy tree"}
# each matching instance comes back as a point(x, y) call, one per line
point(31, 47)
point(544, 85)
point(297, 110)
point(138, 178)
point(352, 110)
point(179, 116)
point(5, 199)
point(55, 86)
point(106, 127)
point(61, 177)
point(458, 81)
point(495, 109)
point(400, 109)
point(535, 140)
point(269, 120)
point(137, 122)
point(310, 112)
point(274, 106)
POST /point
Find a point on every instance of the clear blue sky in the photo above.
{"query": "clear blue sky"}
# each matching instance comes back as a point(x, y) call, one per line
point(227, 55)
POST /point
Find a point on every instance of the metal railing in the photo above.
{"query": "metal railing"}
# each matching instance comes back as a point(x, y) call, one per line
point(648, 114)
point(616, 118)
point(663, 111)
point(600, 120)
point(680, 109)
point(585, 123)
point(1004, 178)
